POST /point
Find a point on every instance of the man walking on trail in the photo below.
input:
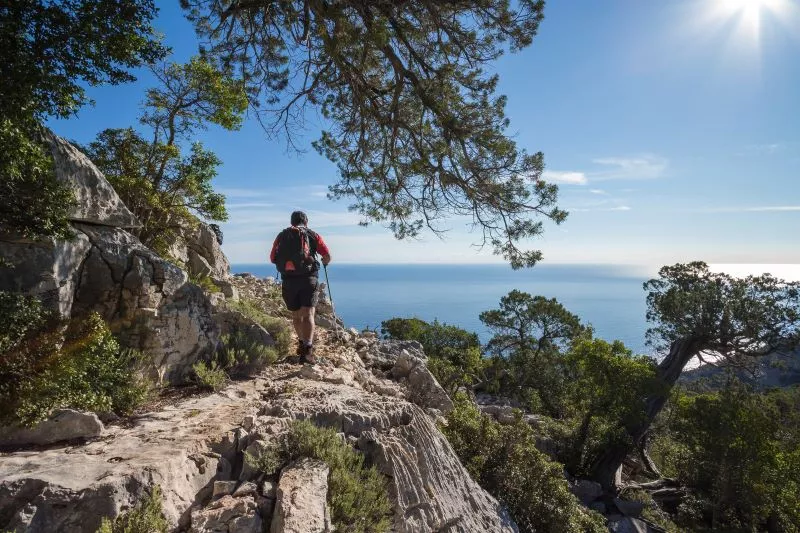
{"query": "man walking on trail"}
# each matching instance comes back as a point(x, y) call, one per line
point(294, 253)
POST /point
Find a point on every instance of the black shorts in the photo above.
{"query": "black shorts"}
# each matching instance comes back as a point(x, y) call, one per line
point(300, 292)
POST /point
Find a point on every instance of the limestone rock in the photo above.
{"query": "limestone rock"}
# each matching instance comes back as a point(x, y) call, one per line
point(64, 424)
point(97, 201)
point(70, 489)
point(629, 508)
point(301, 505)
point(430, 489)
point(223, 488)
point(146, 299)
point(423, 388)
point(47, 269)
point(201, 251)
point(227, 515)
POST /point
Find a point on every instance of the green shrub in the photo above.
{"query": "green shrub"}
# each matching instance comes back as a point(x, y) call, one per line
point(47, 364)
point(33, 202)
point(205, 283)
point(357, 494)
point(504, 460)
point(146, 517)
point(240, 354)
point(209, 375)
point(277, 327)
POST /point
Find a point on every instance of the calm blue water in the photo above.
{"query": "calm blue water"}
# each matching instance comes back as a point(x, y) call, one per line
point(608, 297)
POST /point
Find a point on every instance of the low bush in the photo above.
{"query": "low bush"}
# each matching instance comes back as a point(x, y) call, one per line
point(47, 364)
point(146, 517)
point(278, 327)
point(209, 375)
point(205, 283)
point(357, 494)
point(239, 354)
point(504, 460)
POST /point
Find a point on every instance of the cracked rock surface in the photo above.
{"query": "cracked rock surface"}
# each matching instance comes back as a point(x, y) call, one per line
point(196, 448)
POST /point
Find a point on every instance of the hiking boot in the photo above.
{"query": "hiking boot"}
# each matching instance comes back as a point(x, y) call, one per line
point(301, 347)
point(308, 356)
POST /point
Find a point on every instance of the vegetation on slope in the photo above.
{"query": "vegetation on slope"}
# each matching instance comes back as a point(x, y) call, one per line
point(357, 494)
point(47, 364)
point(734, 451)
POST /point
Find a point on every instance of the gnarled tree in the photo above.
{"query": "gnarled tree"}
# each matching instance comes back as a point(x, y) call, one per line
point(163, 187)
point(712, 316)
point(413, 121)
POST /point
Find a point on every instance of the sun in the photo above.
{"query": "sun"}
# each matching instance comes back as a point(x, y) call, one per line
point(748, 15)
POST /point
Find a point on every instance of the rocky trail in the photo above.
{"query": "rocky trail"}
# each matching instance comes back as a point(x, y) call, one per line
point(377, 394)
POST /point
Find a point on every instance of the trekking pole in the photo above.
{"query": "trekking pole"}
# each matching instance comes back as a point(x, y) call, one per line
point(333, 308)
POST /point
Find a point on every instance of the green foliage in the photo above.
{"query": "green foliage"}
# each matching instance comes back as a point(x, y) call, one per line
point(733, 451)
point(209, 375)
point(241, 354)
point(607, 391)
point(357, 494)
point(33, 202)
point(205, 283)
point(530, 336)
point(46, 364)
point(504, 460)
point(49, 52)
point(278, 327)
point(146, 517)
point(164, 187)
point(415, 125)
point(734, 317)
point(454, 354)
point(268, 461)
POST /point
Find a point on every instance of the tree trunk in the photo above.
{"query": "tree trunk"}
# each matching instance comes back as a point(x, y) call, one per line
point(649, 465)
point(668, 371)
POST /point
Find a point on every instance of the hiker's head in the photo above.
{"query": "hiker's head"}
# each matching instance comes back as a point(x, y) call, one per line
point(298, 218)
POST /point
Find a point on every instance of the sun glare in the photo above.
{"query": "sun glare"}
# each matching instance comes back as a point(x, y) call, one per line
point(748, 15)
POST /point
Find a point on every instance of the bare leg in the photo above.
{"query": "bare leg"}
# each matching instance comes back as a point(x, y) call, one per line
point(307, 326)
point(298, 323)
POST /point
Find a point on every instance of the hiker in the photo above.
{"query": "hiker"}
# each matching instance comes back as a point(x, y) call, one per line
point(294, 253)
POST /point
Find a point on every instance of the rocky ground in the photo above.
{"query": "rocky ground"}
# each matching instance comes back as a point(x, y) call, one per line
point(378, 394)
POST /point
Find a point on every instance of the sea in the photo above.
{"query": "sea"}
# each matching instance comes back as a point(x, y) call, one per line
point(609, 297)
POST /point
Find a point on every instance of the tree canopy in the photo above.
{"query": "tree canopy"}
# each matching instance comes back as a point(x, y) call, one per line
point(699, 313)
point(162, 186)
point(49, 52)
point(412, 118)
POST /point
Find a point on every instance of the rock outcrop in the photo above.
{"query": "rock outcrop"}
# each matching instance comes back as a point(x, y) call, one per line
point(192, 448)
point(147, 300)
point(62, 425)
point(97, 201)
point(201, 251)
point(300, 503)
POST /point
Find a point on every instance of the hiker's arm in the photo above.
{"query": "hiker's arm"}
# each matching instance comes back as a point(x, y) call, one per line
point(274, 249)
point(322, 249)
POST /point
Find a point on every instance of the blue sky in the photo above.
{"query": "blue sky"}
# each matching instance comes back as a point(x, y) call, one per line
point(672, 128)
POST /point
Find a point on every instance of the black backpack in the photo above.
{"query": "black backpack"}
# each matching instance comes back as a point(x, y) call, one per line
point(297, 247)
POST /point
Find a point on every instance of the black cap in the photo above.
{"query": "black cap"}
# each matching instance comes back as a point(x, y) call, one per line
point(298, 217)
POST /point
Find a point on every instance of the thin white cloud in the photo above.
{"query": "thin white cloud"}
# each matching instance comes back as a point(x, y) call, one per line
point(562, 176)
point(590, 209)
point(646, 166)
point(756, 209)
point(248, 205)
point(598, 191)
